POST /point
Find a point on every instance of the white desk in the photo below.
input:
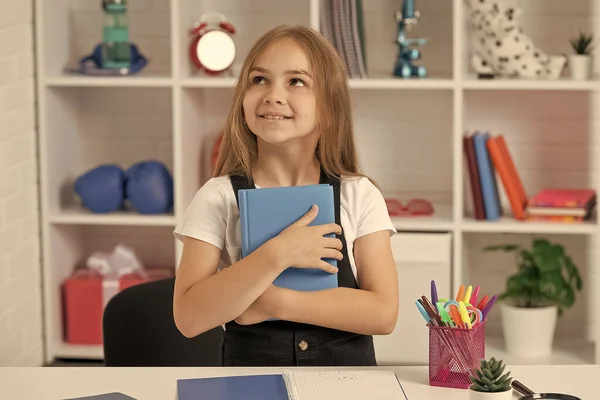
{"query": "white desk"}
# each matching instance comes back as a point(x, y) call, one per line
point(53, 383)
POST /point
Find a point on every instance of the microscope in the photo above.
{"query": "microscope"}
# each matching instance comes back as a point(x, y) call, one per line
point(404, 68)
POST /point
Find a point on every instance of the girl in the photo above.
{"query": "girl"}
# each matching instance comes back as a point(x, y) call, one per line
point(290, 123)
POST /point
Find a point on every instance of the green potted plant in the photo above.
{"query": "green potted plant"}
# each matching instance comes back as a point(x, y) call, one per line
point(580, 63)
point(536, 295)
point(490, 382)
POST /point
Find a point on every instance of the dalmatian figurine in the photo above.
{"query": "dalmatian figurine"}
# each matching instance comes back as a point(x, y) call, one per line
point(500, 47)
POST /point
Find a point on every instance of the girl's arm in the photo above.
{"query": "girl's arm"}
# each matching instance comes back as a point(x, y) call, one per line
point(204, 299)
point(372, 310)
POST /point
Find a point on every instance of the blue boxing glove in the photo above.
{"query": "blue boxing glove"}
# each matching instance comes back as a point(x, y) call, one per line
point(149, 187)
point(101, 189)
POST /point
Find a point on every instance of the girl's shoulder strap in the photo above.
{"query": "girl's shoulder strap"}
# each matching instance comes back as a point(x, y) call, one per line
point(240, 182)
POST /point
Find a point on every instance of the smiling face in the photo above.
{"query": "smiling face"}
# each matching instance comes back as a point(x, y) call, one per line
point(280, 104)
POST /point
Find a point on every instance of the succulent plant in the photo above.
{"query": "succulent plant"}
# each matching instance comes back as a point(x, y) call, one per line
point(582, 44)
point(489, 378)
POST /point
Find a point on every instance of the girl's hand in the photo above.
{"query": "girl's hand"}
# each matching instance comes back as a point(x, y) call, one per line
point(303, 246)
point(263, 308)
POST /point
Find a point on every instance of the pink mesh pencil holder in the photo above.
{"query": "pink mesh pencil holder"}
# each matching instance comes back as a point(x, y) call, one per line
point(455, 353)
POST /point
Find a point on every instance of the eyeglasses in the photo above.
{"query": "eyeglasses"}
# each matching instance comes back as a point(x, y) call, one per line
point(414, 207)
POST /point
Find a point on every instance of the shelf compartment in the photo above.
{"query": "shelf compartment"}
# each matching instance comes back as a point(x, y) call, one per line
point(410, 158)
point(87, 127)
point(549, 25)
point(381, 31)
point(551, 139)
point(491, 269)
point(70, 29)
point(69, 246)
point(249, 21)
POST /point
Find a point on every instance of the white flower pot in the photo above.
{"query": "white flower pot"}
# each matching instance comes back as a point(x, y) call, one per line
point(528, 332)
point(580, 66)
point(474, 395)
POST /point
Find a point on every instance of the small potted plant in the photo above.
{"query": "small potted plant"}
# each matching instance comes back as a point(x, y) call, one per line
point(580, 63)
point(490, 382)
point(536, 295)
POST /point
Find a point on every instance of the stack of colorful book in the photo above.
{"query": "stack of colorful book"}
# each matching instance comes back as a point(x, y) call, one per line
point(487, 157)
point(567, 205)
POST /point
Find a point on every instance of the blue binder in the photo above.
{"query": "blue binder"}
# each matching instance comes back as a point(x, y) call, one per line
point(264, 213)
point(250, 387)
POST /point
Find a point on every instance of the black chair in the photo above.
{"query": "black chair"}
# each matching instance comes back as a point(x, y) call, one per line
point(139, 330)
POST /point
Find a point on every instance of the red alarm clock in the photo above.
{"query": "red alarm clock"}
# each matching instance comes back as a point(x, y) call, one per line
point(212, 49)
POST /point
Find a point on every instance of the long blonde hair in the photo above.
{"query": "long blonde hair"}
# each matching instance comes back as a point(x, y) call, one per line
point(336, 150)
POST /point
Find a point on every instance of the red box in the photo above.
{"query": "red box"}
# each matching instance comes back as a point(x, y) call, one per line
point(85, 294)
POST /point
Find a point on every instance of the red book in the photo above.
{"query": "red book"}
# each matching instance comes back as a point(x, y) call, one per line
point(564, 198)
point(503, 163)
point(475, 184)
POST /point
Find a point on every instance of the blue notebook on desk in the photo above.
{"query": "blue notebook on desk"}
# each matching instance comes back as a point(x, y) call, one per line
point(264, 213)
point(257, 387)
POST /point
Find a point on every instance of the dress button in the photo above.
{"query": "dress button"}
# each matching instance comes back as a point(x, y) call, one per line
point(303, 345)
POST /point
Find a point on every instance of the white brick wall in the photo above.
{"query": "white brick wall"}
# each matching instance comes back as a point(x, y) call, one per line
point(20, 294)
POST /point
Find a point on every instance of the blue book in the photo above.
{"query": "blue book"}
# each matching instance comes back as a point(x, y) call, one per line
point(250, 387)
point(264, 213)
point(487, 177)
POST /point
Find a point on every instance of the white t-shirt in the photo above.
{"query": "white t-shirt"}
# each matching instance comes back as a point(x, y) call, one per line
point(213, 216)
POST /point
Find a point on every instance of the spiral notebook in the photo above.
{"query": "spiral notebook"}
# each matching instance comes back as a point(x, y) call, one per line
point(104, 396)
point(343, 385)
point(296, 385)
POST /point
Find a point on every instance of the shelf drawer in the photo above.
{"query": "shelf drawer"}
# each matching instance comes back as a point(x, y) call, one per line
point(421, 247)
point(420, 257)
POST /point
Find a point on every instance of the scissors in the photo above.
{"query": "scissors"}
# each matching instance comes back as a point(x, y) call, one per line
point(462, 315)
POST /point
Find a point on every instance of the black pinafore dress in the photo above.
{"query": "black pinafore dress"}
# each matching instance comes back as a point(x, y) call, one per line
point(285, 343)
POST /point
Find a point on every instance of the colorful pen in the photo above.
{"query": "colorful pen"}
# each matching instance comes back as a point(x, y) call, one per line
point(424, 312)
point(474, 296)
point(446, 319)
point(482, 302)
point(489, 306)
point(467, 298)
point(461, 293)
point(434, 295)
point(431, 310)
point(464, 314)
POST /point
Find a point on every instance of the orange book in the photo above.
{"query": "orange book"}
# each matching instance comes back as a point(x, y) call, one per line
point(504, 165)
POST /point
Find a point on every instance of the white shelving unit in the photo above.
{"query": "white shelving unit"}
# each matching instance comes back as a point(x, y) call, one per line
point(409, 134)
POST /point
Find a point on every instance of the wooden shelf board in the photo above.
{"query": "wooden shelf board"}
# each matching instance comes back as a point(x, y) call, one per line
point(107, 81)
point(529, 84)
point(83, 217)
point(510, 225)
point(81, 352)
